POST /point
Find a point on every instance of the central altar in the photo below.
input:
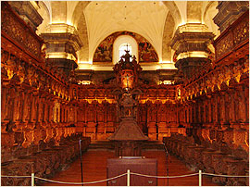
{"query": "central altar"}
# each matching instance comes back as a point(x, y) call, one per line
point(128, 137)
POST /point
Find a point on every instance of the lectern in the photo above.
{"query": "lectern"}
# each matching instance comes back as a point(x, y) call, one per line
point(118, 166)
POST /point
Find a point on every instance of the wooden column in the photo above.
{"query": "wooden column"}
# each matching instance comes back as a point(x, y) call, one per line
point(222, 107)
point(231, 106)
point(236, 106)
point(33, 108)
point(40, 109)
point(209, 113)
point(4, 103)
point(242, 104)
point(246, 92)
point(21, 106)
point(217, 109)
point(16, 107)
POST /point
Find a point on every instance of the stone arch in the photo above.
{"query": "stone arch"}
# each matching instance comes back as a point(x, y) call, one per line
point(45, 12)
point(210, 11)
point(174, 11)
point(104, 49)
point(167, 36)
point(78, 19)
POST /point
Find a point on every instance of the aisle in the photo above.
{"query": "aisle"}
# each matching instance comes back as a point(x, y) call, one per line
point(94, 168)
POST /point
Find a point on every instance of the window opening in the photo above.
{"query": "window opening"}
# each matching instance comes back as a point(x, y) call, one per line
point(123, 47)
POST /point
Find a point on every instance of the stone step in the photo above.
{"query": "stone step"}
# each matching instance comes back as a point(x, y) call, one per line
point(101, 145)
point(153, 145)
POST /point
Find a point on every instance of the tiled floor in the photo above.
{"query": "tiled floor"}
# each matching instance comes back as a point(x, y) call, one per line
point(94, 168)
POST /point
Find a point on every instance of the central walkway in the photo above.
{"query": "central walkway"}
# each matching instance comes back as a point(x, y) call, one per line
point(94, 168)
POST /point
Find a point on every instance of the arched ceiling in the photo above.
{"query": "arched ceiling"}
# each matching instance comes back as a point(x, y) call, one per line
point(145, 18)
point(157, 21)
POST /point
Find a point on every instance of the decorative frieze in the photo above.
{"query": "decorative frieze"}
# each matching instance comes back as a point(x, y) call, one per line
point(232, 38)
point(219, 78)
point(15, 29)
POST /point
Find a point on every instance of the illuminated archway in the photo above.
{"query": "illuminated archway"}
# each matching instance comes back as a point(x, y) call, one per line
point(124, 39)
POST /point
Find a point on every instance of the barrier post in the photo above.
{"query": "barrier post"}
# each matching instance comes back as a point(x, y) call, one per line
point(80, 148)
point(128, 177)
point(200, 178)
point(32, 179)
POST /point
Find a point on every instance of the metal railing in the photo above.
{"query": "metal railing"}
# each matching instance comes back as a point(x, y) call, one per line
point(128, 174)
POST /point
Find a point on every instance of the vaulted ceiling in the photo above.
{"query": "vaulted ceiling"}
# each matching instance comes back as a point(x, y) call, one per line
point(156, 21)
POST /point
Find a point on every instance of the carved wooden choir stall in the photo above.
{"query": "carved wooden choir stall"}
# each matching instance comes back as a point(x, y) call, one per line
point(203, 116)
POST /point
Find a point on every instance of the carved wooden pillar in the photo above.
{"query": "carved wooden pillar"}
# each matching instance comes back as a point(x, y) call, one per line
point(197, 113)
point(27, 107)
point(75, 112)
point(37, 107)
point(67, 114)
point(49, 110)
point(151, 122)
point(40, 111)
point(4, 104)
point(33, 108)
point(10, 105)
point(62, 113)
point(105, 118)
point(218, 109)
point(246, 92)
point(186, 114)
point(209, 112)
point(45, 111)
point(242, 104)
point(222, 107)
point(190, 114)
point(236, 106)
point(16, 106)
point(56, 111)
point(205, 111)
point(212, 109)
point(192, 108)
point(193, 113)
point(85, 112)
point(227, 107)
point(71, 113)
point(201, 113)
point(216, 115)
point(21, 108)
point(231, 113)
